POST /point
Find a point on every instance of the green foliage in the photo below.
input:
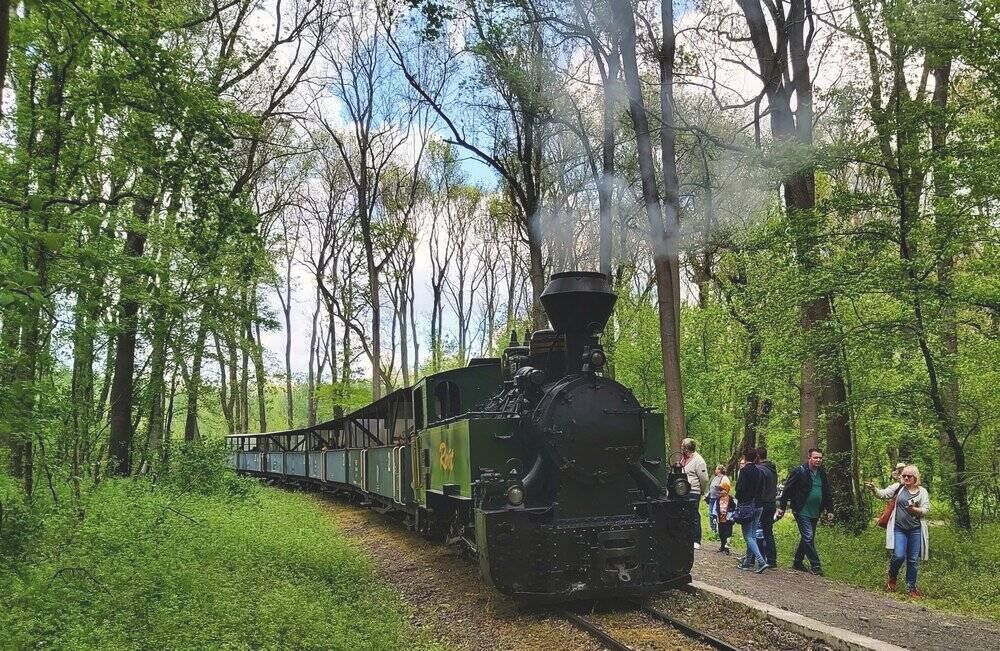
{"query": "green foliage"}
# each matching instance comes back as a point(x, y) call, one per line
point(18, 524)
point(200, 467)
point(155, 567)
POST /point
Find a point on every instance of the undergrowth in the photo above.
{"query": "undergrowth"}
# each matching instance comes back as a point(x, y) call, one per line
point(143, 565)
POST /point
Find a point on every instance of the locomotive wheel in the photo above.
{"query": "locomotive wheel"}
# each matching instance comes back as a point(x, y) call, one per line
point(461, 534)
point(433, 527)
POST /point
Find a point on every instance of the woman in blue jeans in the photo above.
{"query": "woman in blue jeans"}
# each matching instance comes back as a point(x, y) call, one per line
point(906, 534)
point(749, 486)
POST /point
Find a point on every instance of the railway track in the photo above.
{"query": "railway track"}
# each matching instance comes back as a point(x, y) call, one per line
point(612, 643)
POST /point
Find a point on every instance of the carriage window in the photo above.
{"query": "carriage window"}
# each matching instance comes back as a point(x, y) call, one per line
point(446, 400)
point(418, 408)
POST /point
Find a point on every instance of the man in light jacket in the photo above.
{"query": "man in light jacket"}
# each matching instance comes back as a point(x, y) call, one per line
point(697, 475)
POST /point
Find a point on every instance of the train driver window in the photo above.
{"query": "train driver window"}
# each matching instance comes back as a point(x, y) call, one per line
point(447, 402)
point(418, 408)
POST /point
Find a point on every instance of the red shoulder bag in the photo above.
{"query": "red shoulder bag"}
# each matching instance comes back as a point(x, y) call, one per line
point(883, 520)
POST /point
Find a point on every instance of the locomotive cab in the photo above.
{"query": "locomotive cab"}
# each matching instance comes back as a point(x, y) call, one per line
point(583, 507)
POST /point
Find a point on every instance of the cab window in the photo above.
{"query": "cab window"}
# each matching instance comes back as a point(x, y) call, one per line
point(447, 402)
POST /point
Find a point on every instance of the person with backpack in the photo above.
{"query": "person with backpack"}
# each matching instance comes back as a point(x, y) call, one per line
point(749, 488)
point(768, 503)
point(808, 489)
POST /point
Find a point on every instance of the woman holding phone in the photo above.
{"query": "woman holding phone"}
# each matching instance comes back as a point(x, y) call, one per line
point(906, 534)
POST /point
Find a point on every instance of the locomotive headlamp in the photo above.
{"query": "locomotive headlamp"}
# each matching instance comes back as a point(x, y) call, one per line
point(680, 487)
point(515, 495)
point(597, 359)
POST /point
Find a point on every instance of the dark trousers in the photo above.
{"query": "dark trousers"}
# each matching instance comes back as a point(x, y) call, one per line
point(696, 497)
point(765, 535)
point(807, 540)
point(725, 533)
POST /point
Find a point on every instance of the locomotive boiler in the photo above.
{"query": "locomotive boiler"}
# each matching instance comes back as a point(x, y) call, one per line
point(548, 471)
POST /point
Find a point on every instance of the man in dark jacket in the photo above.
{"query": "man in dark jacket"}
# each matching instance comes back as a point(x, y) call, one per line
point(809, 491)
point(768, 493)
point(749, 485)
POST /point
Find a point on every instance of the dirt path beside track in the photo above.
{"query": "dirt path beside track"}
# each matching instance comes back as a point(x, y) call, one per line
point(904, 623)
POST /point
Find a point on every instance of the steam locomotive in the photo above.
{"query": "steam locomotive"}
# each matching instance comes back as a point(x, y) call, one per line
point(552, 474)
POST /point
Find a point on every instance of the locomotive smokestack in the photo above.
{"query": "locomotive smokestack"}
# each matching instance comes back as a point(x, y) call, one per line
point(578, 304)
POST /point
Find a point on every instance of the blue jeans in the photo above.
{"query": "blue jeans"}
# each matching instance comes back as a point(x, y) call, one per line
point(765, 534)
point(697, 515)
point(807, 540)
point(750, 535)
point(713, 514)
point(906, 546)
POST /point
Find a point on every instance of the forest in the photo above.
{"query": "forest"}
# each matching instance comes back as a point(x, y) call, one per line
point(797, 203)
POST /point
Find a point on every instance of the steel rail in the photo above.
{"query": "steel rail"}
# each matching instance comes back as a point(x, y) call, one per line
point(595, 631)
point(688, 630)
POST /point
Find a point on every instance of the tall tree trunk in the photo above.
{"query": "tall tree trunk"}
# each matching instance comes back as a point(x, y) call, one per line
point(226, 399)
point(945, 222)
point(157, 372)
point(413, 326)
point(122, 387)
point(84, 315)
point(168, 431)
point(436, 289)
point(260, 373)
point(247, 336)
point(162, 320)
point(191, 432)
point(374, 286)
point(345, 356)
point(11, 335)
point(314, 361)
point(605, 188)
point(665, 264)
point(404, 348)
point(26, 378)
point(668, 160)
point(536, 274)
point(289, 402)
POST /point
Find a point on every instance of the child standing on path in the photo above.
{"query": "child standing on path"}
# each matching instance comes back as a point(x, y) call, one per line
point(724, 507)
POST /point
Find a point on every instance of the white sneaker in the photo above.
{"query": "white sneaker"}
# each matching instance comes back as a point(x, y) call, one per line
point(697, 545)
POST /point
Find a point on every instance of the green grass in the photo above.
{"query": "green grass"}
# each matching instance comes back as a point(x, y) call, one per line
point(962, 574)
point(243, 568)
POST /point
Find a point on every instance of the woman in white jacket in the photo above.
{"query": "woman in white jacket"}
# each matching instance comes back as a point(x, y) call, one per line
point(906, 534)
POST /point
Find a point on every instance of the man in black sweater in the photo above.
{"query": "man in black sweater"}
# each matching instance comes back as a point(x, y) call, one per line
point(749, 488)
point(809, 491)
point(769, 492)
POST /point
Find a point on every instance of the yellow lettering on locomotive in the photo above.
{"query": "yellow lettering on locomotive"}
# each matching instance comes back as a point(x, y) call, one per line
point(446, 457)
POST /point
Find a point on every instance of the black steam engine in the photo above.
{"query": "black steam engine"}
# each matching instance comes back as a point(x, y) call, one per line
point(596, 513)
point(549, 471)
